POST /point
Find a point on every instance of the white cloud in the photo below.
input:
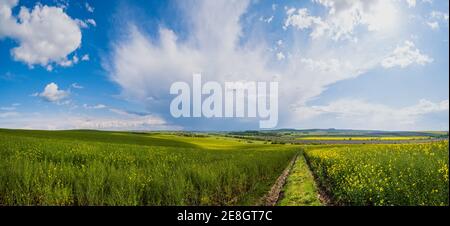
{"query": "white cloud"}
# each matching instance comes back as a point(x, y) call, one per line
point(97, 106)
point(85, 57)
point(266, 20)
point(280, 42)
point(91, 22)
point(332, 65)
point(301, 20)
point(280, 56)
point(67, 62)
point(404, 56)
point(411, 3)
point(89, 8)
point(144, 66)
point(436, 18)
point(86, 23)
point(44, 34)
point(49, 67)
point(52, 93)
point(438, 15)
point(77, 86)
point(360, 114)
point(274, 7)
point(134, 123)
point(70, 121)
point(433, 25)
point(344, 17)
point(81, 23)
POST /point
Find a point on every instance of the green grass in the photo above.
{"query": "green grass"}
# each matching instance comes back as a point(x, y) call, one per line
point(147, 139)
point(300, 188)
point(392, 174)
point(211, 141)
point(115, 168)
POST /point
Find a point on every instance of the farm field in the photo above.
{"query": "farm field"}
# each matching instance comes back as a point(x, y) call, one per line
point(118, 168)
point(85, 167)
point(383, 174)
point(363, 138)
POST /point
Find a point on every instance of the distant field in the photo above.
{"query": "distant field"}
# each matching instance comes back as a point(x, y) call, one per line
point(119, 168)
point(358, 138)
point(383, 174)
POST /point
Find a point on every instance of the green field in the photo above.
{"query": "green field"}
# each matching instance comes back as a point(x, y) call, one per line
point(114, 168)
point(83, 167)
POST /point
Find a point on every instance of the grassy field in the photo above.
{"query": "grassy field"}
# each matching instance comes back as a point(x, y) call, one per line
point(300, 188)
point(391, 174)
point(83, 167)
point(119, 168)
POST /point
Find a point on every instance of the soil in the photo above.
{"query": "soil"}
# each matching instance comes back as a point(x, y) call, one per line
point(271, 198)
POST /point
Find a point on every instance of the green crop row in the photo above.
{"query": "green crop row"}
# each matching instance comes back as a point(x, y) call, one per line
point(38, 170)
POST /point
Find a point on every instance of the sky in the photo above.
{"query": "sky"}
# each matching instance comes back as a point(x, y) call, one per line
point(108, 65)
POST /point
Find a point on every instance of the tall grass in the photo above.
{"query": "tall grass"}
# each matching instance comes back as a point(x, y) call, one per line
point(47, 171)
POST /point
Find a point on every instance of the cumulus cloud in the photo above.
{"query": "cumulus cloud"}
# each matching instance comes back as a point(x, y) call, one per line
point(52, 93)
point(45, 34)
point(405, 55)
point(361, 114)
point(343, 18)
point(144, 66)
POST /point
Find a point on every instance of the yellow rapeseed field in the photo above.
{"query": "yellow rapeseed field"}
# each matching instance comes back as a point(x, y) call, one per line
point(383, 174)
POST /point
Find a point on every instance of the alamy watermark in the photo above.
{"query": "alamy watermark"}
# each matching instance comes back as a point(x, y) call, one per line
point(212, 100)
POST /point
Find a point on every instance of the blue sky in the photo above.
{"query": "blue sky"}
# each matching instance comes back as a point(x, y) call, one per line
point(109, 64)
